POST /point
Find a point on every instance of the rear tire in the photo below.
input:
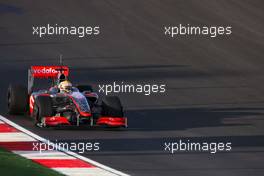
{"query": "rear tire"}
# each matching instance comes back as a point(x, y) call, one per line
point(17, 99)
point(42, 108)
point(111, 106)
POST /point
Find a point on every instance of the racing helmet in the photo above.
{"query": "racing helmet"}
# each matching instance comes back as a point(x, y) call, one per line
point(65, 87)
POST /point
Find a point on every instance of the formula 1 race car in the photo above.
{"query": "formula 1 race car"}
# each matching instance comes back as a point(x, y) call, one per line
point(51, 107)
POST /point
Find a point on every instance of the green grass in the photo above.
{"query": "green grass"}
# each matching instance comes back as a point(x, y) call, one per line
point(15, 165)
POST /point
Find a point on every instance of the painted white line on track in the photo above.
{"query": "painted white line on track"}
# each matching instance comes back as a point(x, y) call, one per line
point(15, 137)
point(100, 166)
point(43, 155)
point(84, 171)
point(1, 122)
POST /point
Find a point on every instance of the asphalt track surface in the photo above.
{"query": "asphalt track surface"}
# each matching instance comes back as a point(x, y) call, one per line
point(215, 86)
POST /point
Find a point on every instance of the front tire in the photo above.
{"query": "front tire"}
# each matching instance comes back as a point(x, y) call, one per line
point(111, 106)
point(42, 108)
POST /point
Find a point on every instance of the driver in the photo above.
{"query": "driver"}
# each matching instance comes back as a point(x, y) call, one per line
point(65, 87)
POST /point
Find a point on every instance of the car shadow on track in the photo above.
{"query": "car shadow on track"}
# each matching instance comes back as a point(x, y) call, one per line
point(186, 118)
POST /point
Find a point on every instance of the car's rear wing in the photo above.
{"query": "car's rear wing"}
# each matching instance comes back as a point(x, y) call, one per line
point(47, 72)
